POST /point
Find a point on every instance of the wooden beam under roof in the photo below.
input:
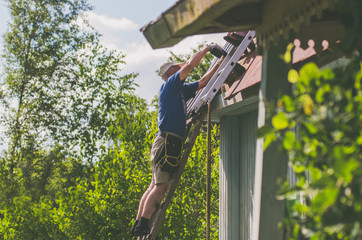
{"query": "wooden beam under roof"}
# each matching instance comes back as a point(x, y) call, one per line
point(191, 17)
point(270, 18)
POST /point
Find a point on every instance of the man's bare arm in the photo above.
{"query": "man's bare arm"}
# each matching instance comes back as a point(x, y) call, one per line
point(194, 61)
point(206, 78)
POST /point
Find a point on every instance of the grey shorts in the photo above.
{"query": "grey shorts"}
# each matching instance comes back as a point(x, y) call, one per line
point(158, 176)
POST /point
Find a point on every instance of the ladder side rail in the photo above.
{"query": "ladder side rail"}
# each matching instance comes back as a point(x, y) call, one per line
point(198, 100)
point(228, 47)
point(230, 65)
point(237, 55)
point(160, 215)
point(207, 88)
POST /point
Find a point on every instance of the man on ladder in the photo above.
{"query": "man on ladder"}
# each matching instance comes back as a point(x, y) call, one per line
point(168, 143)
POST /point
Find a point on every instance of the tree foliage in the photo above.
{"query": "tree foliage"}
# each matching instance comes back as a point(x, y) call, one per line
point(77, 161)
point(319, 126)
point(61, 83)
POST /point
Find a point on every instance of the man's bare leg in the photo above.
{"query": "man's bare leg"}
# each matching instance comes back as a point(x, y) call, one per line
point(154, 198)
point(141, 206)
point(143, 200)
point(150, 199)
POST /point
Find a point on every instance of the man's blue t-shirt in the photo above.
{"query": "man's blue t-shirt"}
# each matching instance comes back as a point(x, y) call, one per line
point(174, 94)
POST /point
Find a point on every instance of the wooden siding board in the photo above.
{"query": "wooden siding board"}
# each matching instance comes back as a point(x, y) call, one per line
point(233, 178)
point(229, 215)
point(271, 164)
point(237, 154)
point(223, 219)
point(248, 125)
point(223, 183)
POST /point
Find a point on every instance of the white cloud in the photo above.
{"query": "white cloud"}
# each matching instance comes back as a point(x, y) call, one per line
point(102, 22)
point(139, 53)
point(140, 57)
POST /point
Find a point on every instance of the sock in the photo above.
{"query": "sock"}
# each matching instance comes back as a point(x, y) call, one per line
point(134, 226)
point(144, 221)
point(135, 223)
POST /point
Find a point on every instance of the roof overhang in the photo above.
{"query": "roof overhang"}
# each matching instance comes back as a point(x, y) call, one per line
point(190, 17)
point(270, 18)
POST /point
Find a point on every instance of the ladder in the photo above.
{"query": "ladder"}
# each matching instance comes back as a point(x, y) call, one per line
point(196, 114)
point(160, 213)
point(205, 95)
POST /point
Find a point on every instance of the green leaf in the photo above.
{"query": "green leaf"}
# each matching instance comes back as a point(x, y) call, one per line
point(298, 168)
point(325, 199)
point(301, 208)
point(327, 74)
point(287, 57)
point(268, 139)
point(310, 127)
point(357, 83)
point(280, 121)
point(289, 139)
point(308, 104)
point(264, 130)
point(293, 76)
point(308, 72)
point(289, 103)
point(321, 91)
point(344, 169)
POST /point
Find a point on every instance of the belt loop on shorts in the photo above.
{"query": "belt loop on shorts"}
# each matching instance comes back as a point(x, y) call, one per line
point(164, 134)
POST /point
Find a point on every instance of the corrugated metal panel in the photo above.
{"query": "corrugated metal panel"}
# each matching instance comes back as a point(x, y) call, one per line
point(237, 164)
point(223, 170)
point(248, 125)
point(229, 178)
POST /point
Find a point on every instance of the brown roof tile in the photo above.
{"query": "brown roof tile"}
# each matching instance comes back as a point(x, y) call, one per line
point(252, 64)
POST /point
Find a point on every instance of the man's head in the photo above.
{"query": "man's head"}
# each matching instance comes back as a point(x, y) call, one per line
point(170, 68)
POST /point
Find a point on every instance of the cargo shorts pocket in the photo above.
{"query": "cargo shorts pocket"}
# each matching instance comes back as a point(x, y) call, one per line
point(169, 159)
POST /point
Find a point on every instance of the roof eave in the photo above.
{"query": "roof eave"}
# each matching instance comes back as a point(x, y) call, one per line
point(191, 17)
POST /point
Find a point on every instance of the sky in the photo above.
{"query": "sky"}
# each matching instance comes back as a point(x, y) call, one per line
point(119, 22)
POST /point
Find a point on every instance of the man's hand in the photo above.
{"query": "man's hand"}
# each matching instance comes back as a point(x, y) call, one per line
point(217, 51)
point(211, 45)
point(194, 61)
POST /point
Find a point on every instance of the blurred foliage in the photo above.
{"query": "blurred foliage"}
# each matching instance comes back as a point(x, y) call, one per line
point(77, 162)
point(319, 126)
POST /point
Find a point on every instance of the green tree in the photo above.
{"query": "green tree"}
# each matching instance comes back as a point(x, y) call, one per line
point(61, 93)
point(60, 86)
point(78, 159)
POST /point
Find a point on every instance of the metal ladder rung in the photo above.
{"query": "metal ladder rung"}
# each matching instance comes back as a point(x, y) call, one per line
point(207, 94)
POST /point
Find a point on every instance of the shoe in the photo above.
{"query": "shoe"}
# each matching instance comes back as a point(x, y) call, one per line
point(141, 230)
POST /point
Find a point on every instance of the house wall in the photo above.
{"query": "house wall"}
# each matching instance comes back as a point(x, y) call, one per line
point(237, 170)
